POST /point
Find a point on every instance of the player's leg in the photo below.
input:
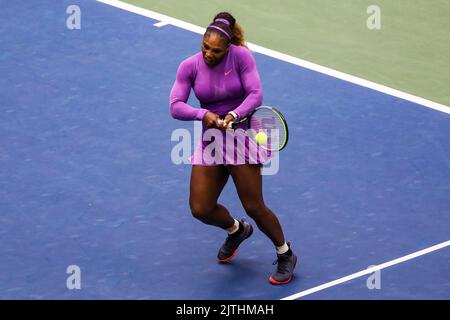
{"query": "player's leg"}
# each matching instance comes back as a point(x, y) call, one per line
point(206, 185)
point(207, 182)
point(248, 181)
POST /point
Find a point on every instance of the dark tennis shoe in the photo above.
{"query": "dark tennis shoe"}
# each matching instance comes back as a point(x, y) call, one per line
point(285, 267)
point(230, 247)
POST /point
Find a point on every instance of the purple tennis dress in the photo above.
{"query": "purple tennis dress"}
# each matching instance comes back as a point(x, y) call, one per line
point(232, 85)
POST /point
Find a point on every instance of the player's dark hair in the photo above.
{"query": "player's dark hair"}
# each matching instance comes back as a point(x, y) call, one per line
point(226, 26)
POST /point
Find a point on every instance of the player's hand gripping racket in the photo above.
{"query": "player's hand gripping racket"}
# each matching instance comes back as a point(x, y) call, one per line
point(268, 128)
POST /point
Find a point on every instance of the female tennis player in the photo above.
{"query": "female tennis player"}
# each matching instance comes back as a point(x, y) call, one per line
point(225, 80)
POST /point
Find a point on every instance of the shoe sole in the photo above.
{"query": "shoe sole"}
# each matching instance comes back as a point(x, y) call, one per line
point(229, 258)
point(235, 251)
point(275, 282)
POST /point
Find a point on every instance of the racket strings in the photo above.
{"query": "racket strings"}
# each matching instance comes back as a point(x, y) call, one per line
point(267, 121)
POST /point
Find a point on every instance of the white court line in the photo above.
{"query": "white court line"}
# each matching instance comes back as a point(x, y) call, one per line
point(367, 271)
point(161, 24)
point(284, 57)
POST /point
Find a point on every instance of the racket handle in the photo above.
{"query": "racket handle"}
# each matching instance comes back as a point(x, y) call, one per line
point(230, 125)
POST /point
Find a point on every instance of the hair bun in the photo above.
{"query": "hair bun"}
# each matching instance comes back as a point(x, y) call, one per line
point(226, 22)
point(226, 18)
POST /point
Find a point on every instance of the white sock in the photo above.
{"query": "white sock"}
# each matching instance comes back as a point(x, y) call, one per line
point(234, 228)
point(282, 249)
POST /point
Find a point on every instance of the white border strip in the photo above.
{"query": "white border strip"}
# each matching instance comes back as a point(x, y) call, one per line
point(161, 24)
point(367, 271)
point(154, 15)
point(284, 57)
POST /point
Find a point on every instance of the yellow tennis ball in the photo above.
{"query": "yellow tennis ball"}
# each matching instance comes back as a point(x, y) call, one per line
point(261, 138)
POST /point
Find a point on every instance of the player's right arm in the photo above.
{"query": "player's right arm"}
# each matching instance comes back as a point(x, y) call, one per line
point(179, 95)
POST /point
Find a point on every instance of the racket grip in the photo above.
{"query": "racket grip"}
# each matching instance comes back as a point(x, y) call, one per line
point(230, 125)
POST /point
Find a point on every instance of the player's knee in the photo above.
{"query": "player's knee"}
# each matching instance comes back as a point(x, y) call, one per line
point(200, 210)
point(255, 209)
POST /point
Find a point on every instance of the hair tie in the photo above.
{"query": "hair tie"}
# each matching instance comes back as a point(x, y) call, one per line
point(221, 30)
point(223, 20)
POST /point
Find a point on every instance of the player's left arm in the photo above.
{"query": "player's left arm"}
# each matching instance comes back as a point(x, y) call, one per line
point(251, 84)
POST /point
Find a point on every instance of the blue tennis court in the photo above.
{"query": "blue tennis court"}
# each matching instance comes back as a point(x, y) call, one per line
point(86, 176)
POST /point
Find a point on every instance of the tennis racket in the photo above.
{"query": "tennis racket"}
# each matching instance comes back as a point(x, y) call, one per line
point(268, 128)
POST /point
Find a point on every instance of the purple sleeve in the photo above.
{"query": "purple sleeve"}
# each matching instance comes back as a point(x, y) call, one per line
point(179, 95)
point(251, 83)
